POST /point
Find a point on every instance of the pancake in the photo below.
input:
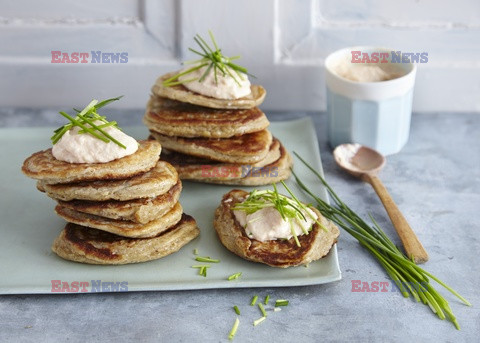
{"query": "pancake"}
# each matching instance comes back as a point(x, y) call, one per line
point(178, 159)
point(173, 118)
point(248, 148)
point(123, 227)
point(182, 94)
point(46, 168)
point(136, 210)
point(85, 245)
point(261, 173)
point(277, 253)
point(150, 184)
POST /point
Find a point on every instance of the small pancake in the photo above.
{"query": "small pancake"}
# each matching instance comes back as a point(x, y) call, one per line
point(46, 168)
point(123, 227)
point(182, 94)
point(85, 245)
point(136, 210)
point(276, 253)
point(275, 167)
point(150, 184)
point(173, 118)
point(248, 148)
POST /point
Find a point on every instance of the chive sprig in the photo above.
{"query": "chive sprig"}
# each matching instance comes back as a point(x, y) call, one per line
point(289, 208)
point(213, 59)
point(87, 120)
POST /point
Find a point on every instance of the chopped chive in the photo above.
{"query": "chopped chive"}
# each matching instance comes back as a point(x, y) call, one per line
point(106, 102)
point(262, 309)
point(288, 208)
point(267, 298)
point(108, 136)
point(259, 320)
point(206, 259)
point(234, 329)
point(237, 310)
point(85, 120)
point(195, 251)
point(234, 276)
point(294, 234)
point(200, 266)
point(281, 302)
point(254, 300)
point(203, 271)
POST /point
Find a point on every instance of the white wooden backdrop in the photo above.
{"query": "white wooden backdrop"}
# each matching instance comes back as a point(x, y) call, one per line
point(283, 42)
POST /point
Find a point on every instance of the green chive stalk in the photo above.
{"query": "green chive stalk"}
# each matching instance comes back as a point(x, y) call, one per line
point(234, 276)
point(259, 320)
point(234, 329)
point(212, 58)
point(262, 309)
point(409, 277)
point(206, 259)
point(281, 302)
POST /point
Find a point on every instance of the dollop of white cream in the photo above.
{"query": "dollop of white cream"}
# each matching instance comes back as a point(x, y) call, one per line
point(345, 153)
point(367, 73)
point(76, 147)
point(267, 224)
point(225, 87)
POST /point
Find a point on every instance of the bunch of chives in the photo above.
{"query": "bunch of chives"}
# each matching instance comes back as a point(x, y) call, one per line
point(409, 277)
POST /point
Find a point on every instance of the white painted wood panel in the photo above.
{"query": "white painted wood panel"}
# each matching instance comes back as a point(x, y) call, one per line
point(283, 42)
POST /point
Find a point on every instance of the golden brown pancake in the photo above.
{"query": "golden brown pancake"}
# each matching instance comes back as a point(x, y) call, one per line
point(262, 173)
point(122, 227)
point(155, 182)
point(178, 159)
point(182, 94)
point(136, 210)
point(248, 148)
point(174, 118)
point(277, 253)
point(46, 168)
point(85, 245)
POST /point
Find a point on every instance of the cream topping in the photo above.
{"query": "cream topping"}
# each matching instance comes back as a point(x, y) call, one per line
point(366, 73)
point(267, 224)
point(76, 147)
point(225, 87)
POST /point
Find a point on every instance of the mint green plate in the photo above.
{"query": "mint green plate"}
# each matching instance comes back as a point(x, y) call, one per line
point(28, 226)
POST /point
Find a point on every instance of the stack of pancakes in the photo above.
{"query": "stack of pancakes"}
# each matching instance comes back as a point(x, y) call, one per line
point(123, 211)
point(215, 140)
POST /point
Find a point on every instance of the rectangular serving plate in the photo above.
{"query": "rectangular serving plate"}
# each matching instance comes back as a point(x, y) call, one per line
point(29, 225)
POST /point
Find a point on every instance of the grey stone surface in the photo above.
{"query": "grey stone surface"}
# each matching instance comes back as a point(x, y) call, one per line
point(435, 180)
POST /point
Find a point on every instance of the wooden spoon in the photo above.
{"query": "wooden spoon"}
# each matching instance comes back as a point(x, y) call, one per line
point(365, 163)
